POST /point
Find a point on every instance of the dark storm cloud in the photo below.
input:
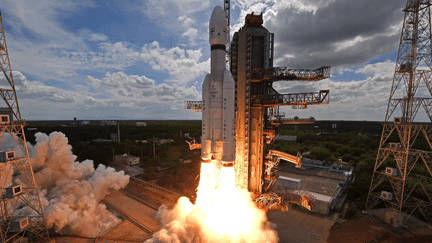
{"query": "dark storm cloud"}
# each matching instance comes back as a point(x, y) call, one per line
point(366, 28)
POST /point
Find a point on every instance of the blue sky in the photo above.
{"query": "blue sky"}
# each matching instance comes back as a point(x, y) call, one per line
point(142, 59)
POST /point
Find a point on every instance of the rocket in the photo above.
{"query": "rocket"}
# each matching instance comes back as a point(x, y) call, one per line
point(217, 143)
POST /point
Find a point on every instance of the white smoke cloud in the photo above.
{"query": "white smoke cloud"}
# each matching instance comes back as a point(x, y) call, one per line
point(70, 191)
point(6, 180)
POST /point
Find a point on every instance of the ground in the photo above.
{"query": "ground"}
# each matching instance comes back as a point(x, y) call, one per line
point(370, 228)
point(300, 226)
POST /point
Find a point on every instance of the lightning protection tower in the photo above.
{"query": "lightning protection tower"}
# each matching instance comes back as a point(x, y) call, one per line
point(20, 206)
point(227, 10)
point(402, 177)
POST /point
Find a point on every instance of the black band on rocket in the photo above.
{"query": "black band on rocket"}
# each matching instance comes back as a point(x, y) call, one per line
point(218, 47)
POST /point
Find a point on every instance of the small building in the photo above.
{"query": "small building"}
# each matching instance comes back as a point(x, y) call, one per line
point(6, 115)
point(108, 123)
point(141, 124)
point(168, 140)
point(287, 138)
point(114, 137)
point(160, 141)
point(84, 123)
point(127, 159)
point(287, 183)
point(101, 140)
point(326, 186)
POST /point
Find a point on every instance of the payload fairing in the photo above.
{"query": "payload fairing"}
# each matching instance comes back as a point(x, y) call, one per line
point(218, 98)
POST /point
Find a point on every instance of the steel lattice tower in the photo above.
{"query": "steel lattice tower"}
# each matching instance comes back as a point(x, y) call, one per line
point(402, 177)
point(20, 206)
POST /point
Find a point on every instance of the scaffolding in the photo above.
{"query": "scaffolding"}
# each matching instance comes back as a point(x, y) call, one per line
point(21, 212)
point(402, 176)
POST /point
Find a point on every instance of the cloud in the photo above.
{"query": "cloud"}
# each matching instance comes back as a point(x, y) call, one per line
point(167, 8)
point(127, 96)
point(141, 88)
point(191, 34)
point(314, 33)
point(176, 17)
point(182, 65)
point(381, 71)
point(185, 20)
point(89, 72)
point(44, 48)
point(40, 18)
point(36, 90)
point(138, 93)
point(89, 35)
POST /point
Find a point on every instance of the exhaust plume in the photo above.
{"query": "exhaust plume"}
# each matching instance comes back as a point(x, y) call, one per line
point(222, 213)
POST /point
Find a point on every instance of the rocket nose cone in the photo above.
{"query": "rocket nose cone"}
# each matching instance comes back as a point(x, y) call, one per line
point(218, 27)
point(218, 17)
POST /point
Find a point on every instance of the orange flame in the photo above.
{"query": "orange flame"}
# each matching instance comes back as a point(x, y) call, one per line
point(228, 212)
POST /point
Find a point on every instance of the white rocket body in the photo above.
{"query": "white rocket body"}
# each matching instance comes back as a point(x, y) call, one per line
point(218, 98)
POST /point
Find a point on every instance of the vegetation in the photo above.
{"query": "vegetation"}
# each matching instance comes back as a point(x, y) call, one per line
point(351, 142)
point(350, 211)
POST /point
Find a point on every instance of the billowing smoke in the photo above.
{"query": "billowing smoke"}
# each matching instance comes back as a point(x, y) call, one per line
point(70, 191)
point(222, 213)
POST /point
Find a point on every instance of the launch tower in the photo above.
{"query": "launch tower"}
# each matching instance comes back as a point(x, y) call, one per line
point(257, 115)
point(402, 176)
point(257, 103)
point(20, 207)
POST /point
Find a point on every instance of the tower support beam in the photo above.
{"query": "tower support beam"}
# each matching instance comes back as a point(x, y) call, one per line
point(402, 176)
point(13, 224)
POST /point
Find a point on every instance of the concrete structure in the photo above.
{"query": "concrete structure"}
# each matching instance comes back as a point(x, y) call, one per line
point(218, 98)
point(114, 137)
point(287, 138)
point(127, 159)
point(325, 187)
point(108, 123)
point(160, 141)
point(101, 140)
point(318, 165)
point(257, 102)
point(253, 40)
point(295, 226)
point(141, 124)
point(287, 183)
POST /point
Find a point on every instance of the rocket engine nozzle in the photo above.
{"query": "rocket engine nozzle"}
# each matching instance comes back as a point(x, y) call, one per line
point(227, 164)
